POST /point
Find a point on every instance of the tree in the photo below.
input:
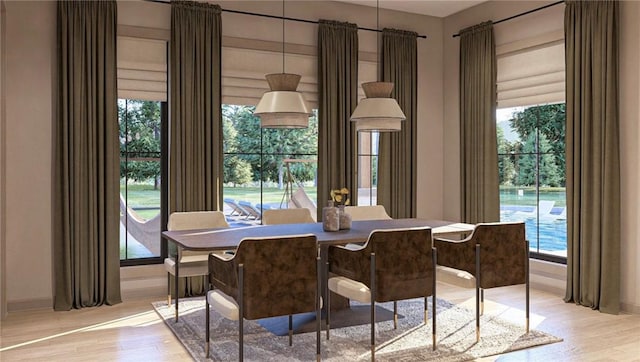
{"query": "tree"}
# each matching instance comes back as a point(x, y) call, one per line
point(547, 169)
point(548, 120)
point(506, 169)
point(265, 149)
point(140, 139)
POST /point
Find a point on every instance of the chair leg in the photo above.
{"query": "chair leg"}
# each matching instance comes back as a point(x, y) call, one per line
point(395, 314)
point(168, 289)
point(175, 287)
point(241, 316)
point(318, 313)
point(527, 283)
point(434, 257)
point(327, 294)
point(477, 293)
point(373, 307)
point(206, 334)
point(290, 330)
point(426, 311)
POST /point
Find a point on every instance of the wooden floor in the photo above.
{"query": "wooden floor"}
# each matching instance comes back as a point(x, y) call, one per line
point(132, 331)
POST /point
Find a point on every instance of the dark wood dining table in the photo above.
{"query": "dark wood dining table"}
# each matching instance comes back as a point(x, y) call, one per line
point(230, 238)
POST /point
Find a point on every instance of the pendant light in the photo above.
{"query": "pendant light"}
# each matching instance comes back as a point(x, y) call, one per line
point(378, 111)
point(283, 106)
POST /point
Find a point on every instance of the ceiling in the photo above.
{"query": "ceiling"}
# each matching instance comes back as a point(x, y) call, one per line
point(437, 8)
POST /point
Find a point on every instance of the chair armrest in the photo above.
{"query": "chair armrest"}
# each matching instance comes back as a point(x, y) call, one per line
point(223, 274)
point(353, 264)
point(457, 254)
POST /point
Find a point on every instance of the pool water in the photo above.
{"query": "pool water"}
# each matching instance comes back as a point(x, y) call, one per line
point(547, 236)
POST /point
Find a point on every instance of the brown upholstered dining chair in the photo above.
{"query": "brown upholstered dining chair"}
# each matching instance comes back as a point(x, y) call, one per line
point(267, 277)
point(394, 264)
point(190, 263)
point(496, 254)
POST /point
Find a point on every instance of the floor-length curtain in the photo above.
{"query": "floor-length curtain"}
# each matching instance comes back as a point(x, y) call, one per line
point(397, 165)
point(87, 160)
point(195, 148)
point(479, 184)
point(338, 97)
point(593, 156)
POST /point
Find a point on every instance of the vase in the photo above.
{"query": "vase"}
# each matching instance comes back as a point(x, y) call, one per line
point(345, 219)
point(330, 217)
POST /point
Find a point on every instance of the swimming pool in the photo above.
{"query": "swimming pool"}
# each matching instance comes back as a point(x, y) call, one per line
point(547, 236)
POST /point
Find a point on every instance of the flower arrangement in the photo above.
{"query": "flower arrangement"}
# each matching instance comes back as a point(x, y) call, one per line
point(340, 196)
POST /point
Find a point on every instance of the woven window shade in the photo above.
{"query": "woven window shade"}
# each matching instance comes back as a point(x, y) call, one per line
point(531, 72)
point(142, 69)
point(243, 71)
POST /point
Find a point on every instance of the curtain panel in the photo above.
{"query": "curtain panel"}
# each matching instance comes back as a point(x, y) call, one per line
point(87, 160)
point(479, 183)
point(195, 131)
point(338, 97)
point(397, 165)
point(593, 155)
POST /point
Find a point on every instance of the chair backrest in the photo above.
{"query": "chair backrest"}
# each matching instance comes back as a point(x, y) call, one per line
point(373, 212)
point(503, 253)
point(280, 275)
point(196, 220)
point(286, 216)
point(404, 264)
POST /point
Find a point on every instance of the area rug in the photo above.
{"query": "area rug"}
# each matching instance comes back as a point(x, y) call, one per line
point(411, 341)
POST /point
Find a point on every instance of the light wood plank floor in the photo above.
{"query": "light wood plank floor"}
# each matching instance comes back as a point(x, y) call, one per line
point(132, 331)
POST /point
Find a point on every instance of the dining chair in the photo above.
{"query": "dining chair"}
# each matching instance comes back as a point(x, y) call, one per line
point(286, 216)
point(495, 254)
point(267, 277)
point(190, 263)
point(369, 212)
point(394, 264)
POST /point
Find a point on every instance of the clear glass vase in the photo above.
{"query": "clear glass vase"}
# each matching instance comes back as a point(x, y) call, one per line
point(345, 219)
point(330, 217)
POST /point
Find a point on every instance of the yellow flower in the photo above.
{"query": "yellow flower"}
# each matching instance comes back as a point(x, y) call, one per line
point(339, 196)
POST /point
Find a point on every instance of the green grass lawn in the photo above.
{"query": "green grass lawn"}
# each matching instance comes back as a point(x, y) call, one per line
point(141, 196)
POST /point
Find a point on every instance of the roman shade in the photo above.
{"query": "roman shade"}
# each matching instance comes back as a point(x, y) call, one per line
point(243, 71)
point(142, 69)
point(531, 71)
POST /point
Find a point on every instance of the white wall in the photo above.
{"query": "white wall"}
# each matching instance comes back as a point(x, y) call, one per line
point(30, 71)
point(536, 24)
point(630, 153)
point(30, 105)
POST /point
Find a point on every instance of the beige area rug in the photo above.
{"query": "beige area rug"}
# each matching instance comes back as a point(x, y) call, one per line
point(410, 342)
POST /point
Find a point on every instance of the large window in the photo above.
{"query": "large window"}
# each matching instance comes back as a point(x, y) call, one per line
point(141, 167)
point(531, 161)
point(267, 168)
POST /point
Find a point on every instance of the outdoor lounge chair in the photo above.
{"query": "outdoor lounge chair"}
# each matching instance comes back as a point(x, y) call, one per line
point(236, 210)
point(543, 209)
point(252, 210)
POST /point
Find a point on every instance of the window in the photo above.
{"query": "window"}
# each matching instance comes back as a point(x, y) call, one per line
point(264, 167)
point(367, 168)
point(140, 178)
point(531, 162)
point(142, 117)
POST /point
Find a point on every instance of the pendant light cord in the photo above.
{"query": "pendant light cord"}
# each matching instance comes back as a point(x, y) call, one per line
point(378, 40)
point(283, 36)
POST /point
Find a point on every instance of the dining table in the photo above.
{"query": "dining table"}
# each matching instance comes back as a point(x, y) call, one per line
point(230, 238)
